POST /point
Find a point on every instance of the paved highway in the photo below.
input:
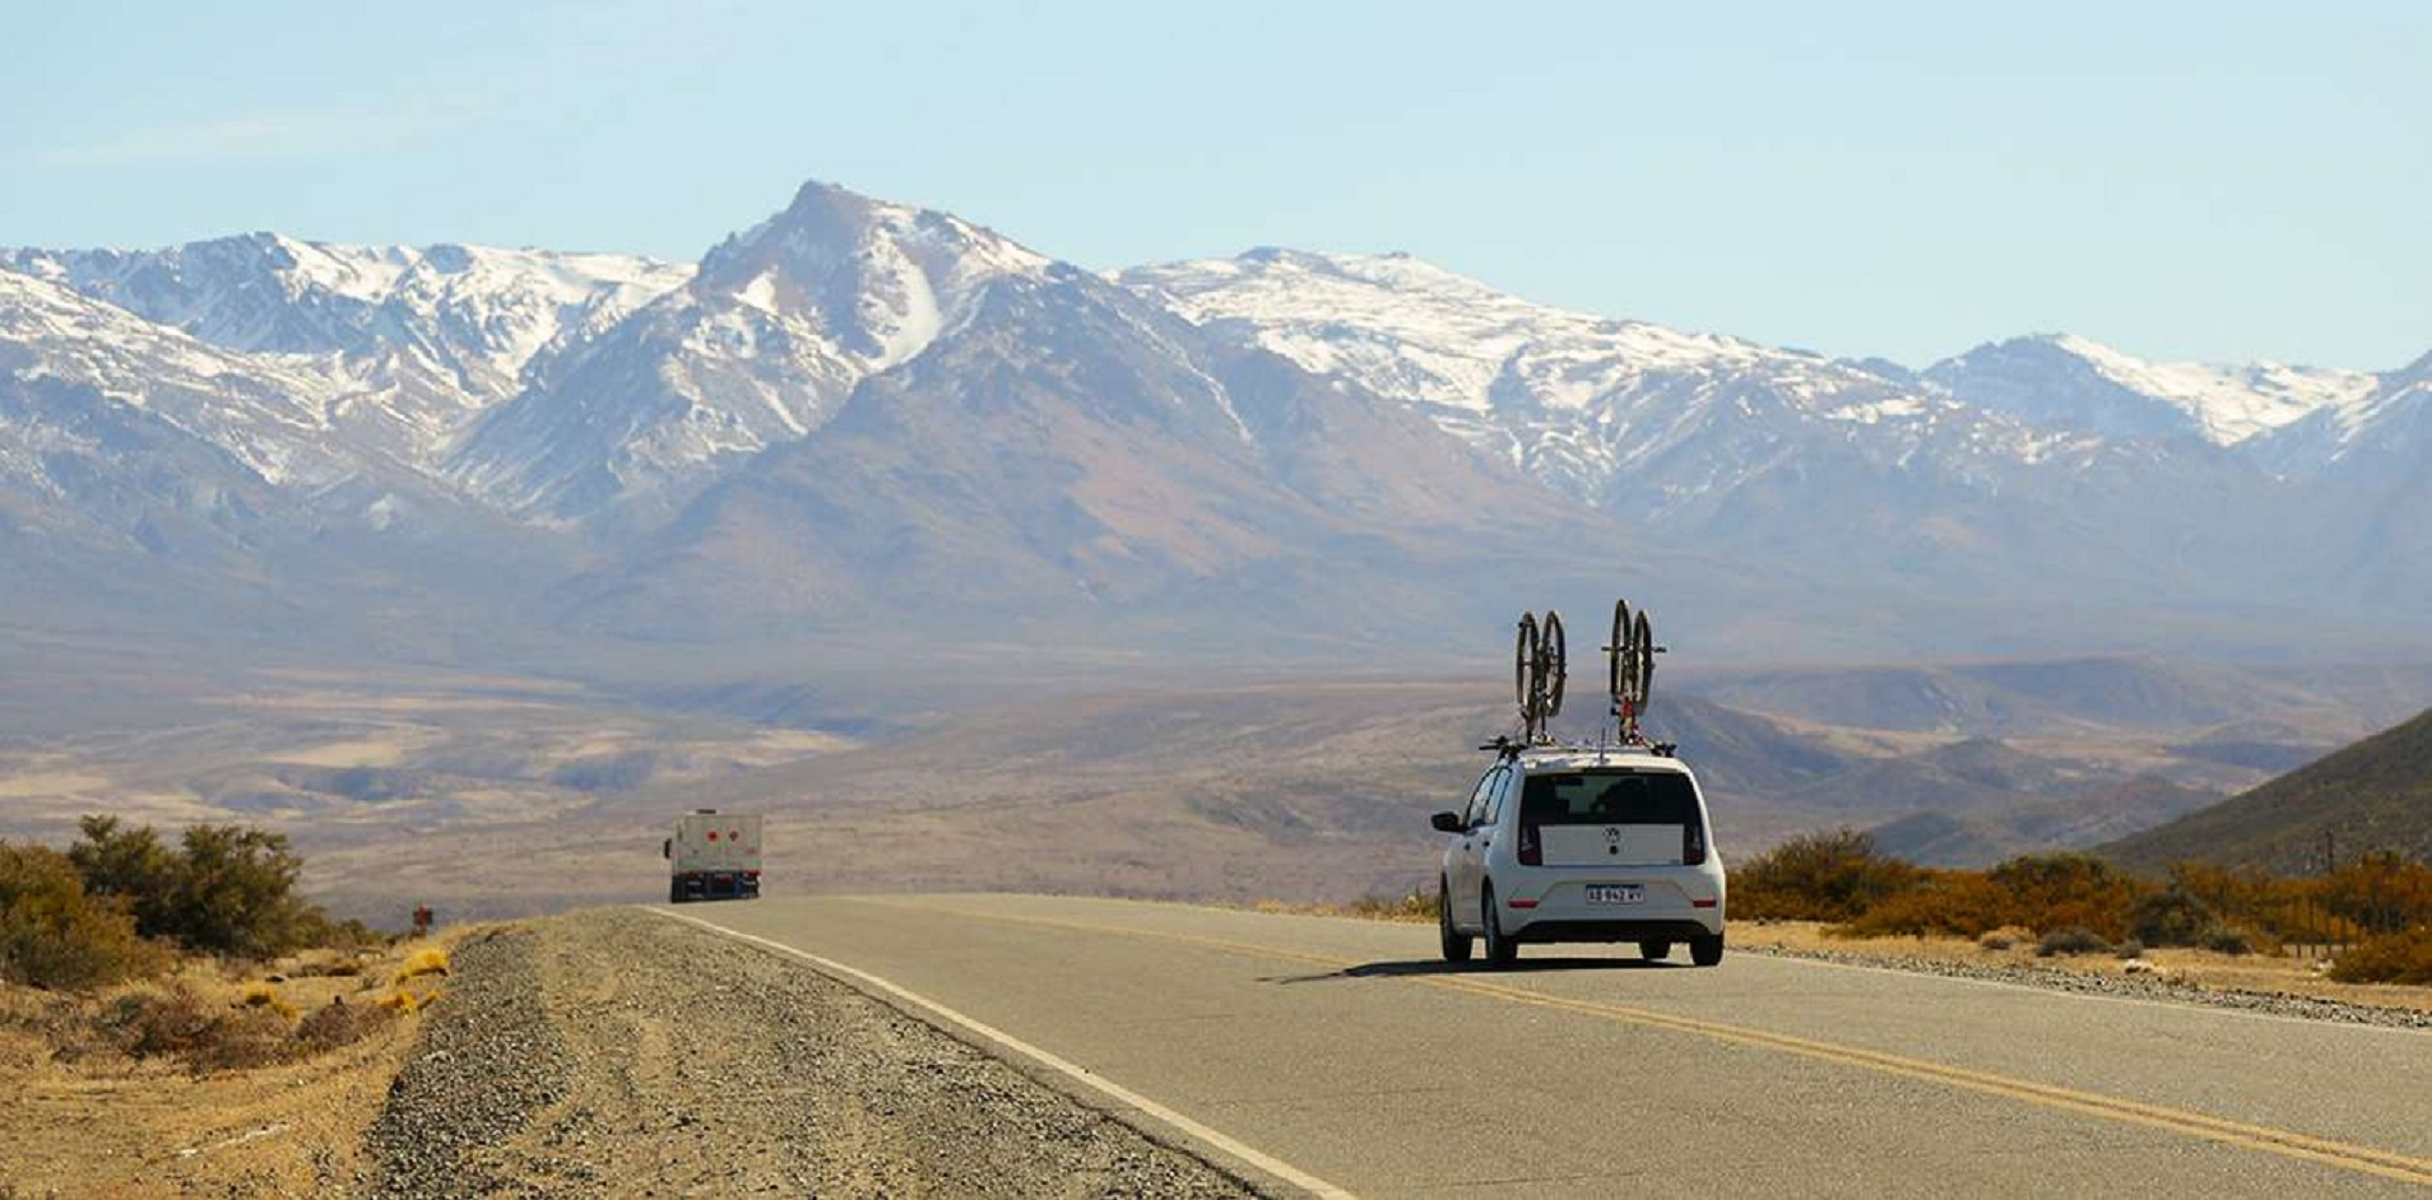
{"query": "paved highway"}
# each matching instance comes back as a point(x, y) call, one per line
point(1321, 1054)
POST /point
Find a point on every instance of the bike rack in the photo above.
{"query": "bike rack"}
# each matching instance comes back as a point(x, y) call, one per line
point(1541, 668)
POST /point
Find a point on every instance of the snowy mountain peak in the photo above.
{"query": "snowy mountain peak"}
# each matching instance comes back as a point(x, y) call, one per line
point(878, 280)
point(777, 327)
point(480, 313)
point(2064, 379)
point(1406, 327)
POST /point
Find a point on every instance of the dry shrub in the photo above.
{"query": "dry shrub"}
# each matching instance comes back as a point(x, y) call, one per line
point(2037, 892)
point(2390, 958)
point(430, 960)
point(405, 1000)
point(341, 1024)
point(178, 1022)
point(1960, 903)
point(2174, 916)
point(2072, 941)
point(2067, 891)
point(263, 995)
point(2004, 937)
point(1831, 876)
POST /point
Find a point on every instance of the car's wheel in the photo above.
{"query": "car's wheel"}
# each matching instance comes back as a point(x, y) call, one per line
point(1654, 951)
point(1706, 950)
point(1500, 951)
point(1456, 944)
point(675, 893)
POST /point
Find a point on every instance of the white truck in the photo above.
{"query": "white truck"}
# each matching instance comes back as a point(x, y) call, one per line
point(713, 856)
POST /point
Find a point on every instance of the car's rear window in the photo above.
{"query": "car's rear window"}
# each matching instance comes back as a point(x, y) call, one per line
point(1609, 798)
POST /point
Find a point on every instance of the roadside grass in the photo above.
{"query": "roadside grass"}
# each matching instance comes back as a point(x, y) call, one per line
point(430, 960)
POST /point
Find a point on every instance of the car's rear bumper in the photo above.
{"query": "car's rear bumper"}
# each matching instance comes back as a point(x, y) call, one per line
point(1552, 906)
point(1609, 930)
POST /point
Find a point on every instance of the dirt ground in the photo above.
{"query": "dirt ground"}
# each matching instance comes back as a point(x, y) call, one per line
point(79, 1118)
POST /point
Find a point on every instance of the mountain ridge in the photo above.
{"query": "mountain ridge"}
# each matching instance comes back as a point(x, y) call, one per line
point(1417, 426)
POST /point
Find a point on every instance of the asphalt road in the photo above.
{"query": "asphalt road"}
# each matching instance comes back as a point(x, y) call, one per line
point(1321, 1053)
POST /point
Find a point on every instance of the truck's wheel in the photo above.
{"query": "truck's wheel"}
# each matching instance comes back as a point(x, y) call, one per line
point(1456, 945)
point(1706, 951)
point(675, 893)
point(1500, 950)
point(1654, 951)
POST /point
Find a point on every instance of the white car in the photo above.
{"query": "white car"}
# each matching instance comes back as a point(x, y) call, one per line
point(1582, 844)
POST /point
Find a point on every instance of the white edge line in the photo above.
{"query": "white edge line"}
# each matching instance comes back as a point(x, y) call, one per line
point(1073, 1071)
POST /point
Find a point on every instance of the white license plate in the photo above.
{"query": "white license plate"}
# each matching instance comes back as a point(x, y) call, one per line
point(1616, 893)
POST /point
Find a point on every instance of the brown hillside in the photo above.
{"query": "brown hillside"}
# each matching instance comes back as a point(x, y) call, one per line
point(2373, 795)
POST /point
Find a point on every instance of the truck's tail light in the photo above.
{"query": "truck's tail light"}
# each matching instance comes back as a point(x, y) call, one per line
point(1532, 852)
point(1693, 844)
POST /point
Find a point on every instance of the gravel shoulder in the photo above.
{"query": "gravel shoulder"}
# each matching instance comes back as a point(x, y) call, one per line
point(2255, 983)
point(616, 1052)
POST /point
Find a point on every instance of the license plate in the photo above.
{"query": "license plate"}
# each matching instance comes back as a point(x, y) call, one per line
point(1616, 893)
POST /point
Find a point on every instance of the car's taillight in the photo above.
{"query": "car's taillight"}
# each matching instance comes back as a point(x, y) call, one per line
point(1693, 844)
point(1531, 854)
point(751, 874)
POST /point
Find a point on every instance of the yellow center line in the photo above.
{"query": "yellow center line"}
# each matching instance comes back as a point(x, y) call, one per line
point(2287, 1143)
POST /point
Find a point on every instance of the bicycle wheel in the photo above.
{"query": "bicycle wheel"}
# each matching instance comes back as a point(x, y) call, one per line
point(1554, 657)
point(1642, 638)
point(1614, 651)
point(1523, 665)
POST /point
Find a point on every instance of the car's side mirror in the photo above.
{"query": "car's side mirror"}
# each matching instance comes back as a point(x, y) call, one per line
point(1447, 822)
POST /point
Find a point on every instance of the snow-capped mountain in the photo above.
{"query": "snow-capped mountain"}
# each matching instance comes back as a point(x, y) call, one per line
point(756, 351)
point(1563, 395)
point(1631, 416)
point(1066, 450)
point(864, 411)
point(2065, 381)
point(415, 342)
point(2000, 473)
point(268, 415)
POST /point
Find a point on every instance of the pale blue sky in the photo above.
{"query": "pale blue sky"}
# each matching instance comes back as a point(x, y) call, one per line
point(2213, 180)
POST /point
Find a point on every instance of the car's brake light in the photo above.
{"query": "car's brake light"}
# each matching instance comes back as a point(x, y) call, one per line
point(1693, 844)
point(751, 874)
point(1702, 903)
point(1531, 853)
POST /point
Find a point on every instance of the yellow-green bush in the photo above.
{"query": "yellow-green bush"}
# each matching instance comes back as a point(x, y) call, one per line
point(53, 934)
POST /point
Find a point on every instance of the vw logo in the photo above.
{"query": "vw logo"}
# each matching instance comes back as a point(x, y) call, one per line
point(1612, 834)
